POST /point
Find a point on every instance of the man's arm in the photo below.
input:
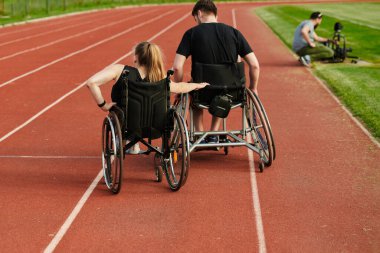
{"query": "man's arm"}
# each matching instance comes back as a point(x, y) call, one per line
point(254, 71)
point(320, 39)
point(305, 34)
point(179, 62)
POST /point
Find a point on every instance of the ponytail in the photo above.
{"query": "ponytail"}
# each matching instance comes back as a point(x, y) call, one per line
point(150, 56)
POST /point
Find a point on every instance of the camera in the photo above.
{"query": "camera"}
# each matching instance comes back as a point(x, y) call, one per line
point(338, 44)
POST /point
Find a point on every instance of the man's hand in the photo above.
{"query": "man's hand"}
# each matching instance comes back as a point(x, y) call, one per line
point(312, 44)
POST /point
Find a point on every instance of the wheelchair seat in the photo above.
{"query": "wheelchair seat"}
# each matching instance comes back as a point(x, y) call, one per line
point(224, 79)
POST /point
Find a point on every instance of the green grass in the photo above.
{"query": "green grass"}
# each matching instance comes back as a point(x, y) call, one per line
point(362, 96)
point(22, 10)
point(357, 86)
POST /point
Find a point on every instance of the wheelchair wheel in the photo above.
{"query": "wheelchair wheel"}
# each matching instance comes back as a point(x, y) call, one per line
point(177, 165)
point(261, 132)
point(181, 105)
point(112, 152)
point(268, 124)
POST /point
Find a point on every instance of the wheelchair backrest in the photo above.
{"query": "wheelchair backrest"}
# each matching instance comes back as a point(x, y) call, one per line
point(226, 78)
point(147, 105)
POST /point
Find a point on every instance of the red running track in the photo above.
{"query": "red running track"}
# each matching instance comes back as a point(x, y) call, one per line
point(320, 195)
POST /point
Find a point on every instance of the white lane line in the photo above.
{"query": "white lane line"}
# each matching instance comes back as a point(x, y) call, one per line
point(49, 157)
point(66, 225)
point(55, 30)
point(60, 19)
point(82, 33)
point(256, 202)
point(6, 136)
point(40, 113)
point(84, 49)
point(254, 188)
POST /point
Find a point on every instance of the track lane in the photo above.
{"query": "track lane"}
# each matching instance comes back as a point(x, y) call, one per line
point(291, 222)
point(321, 194)
point(67, 48)
point(211, 213)
point(26, 99)
point(69, 25)
point(18, 47)
point(58, 145)
point(33, 27)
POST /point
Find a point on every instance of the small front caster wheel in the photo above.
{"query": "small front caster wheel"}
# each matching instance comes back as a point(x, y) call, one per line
point(261, 167)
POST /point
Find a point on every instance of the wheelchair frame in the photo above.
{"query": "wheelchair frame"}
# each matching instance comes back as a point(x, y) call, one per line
point(255, 134)
point(173, 159)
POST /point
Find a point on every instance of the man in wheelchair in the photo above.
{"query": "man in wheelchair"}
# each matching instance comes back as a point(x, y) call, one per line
point(140, 109)
point(211, 42)
point(214, 49)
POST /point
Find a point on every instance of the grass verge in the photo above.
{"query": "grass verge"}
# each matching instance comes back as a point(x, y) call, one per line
point(357, 86)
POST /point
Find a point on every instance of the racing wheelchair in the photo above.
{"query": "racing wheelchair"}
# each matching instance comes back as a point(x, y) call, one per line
point(228, 80)
point(145, 115)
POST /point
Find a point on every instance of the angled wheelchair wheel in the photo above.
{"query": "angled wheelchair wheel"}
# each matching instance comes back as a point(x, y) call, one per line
point(176, 166)
point(268, 124)
point(112, 152)
point(260, 129)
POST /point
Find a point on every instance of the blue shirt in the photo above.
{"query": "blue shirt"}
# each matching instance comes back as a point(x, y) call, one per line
point(299, 42)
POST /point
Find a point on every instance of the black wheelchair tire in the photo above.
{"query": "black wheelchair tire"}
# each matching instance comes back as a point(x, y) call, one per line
point(177, 167)
point(262, 134)
point(112, 146)
point(268, 124)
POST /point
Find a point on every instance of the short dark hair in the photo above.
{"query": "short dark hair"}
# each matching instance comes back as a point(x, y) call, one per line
point(316, 15)
point(206, 6)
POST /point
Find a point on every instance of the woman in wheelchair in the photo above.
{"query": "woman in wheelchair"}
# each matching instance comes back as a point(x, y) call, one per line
point(141, 109)
point(148, 66)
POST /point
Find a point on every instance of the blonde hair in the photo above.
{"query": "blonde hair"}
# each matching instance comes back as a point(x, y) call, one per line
point(149, 55)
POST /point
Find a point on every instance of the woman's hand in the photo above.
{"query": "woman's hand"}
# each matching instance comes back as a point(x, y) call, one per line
point(183, 87)
point(200, 85)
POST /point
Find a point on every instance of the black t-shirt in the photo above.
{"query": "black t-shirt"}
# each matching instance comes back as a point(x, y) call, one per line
point(213, 43)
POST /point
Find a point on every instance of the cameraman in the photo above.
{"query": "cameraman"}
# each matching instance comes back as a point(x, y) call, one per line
point(304, 41)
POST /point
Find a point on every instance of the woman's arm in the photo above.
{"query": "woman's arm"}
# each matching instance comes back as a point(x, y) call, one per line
point(183, 87)
point(108, 74)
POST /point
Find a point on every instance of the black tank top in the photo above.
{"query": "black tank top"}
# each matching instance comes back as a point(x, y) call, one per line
point(117, 92)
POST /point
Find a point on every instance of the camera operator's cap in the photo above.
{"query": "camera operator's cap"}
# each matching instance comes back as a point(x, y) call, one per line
point(316, 15)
